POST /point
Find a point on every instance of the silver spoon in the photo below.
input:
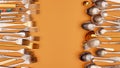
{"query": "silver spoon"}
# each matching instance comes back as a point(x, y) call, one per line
point(116, 1)
point(103, 52)
point(103, 4)
point(102, 31)
point(94, 10)
point(105, 14)
point(96, 43)
point(90, 26)
point(98, 20)
point(87, 56)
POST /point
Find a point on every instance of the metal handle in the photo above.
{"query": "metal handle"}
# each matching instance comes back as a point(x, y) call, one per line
point(7, 61)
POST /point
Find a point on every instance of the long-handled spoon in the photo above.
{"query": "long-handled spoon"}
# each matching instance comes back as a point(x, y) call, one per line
point(102, 31)
point(96, 43)
point(90, 26)
point(87, 56)
point(103, 4)
point(103, 52)
point(105, 14)
point(94, 10)
point(98, 19)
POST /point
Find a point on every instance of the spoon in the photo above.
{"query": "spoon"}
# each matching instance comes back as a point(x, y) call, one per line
point(87, 56)
point(105, 14)
point(96, 43)
point(102, 31)
point(103, 4)
point(103, 52)
point(94, 10)
point(98, 20)
point(90, 26)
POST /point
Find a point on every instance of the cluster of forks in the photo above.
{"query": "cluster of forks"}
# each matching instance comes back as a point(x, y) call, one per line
point(16, 26)
point(102, 26)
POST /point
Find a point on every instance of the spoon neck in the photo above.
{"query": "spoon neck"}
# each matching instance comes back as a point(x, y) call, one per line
point(110, 43)
point(113, 30)
point(113, 9)
point(108, 61)
point(113, 52)
point(115, 1)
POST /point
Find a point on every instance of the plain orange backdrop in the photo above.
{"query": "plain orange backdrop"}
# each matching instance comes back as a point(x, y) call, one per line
point(60, 33)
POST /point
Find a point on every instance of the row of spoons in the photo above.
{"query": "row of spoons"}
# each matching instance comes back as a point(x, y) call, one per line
point(99, 12)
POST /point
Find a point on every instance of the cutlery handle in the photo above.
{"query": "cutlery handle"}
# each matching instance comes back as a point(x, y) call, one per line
point(108, 61)
point(7, 61)
point(8, 5)
point(116, 1)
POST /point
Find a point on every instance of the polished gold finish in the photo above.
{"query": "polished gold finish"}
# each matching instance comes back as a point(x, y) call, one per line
point(86, 3)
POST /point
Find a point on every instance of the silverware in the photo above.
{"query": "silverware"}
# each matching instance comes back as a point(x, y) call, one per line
point(96, 43)
point(21, 51)
point(102, 31)
point(103, 52)
point(87, 56)
point(90, 26)
point(94, 10)
point(98, 20)
point(103, 4)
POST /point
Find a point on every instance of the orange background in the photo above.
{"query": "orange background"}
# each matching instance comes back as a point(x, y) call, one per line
point(60, 33)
